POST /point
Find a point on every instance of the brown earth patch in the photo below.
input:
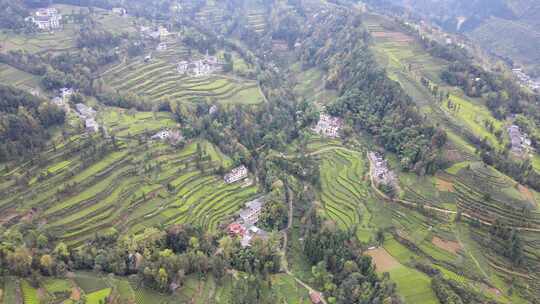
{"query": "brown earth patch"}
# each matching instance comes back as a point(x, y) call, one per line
point(529, 196)
point(42, 294)
point(450, 246)
point(75, 294)
point(443, 185)
point(382, 259)
point(453, 156)
point(492, 290)
point(394, 36)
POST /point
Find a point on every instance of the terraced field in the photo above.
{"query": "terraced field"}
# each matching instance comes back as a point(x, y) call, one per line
point(20, 79)
point(130, 186)
point(158, 81)
point(343, 188)
point(211, 15)
point(256, 20)
point(487, 193)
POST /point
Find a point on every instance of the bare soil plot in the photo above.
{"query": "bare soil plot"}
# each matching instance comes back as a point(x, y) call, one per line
point(450, 246)
point(443, 185)
point(382, 259)
point(527, 194)
point(75, 294)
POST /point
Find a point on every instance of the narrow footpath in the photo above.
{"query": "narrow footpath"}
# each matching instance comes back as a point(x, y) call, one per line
point(285, 231)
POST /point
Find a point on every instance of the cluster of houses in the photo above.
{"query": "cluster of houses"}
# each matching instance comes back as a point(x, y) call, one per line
point(199, 68)
point(328, 125)
point(244, 227)
point(519, 141)
point(46, 18)
point(236, 174)
point(381, 173)
point(88, 115)
point(526, 80)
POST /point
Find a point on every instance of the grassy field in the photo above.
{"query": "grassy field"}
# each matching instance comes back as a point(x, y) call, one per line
point(412, 285)
point(98, 297)
point(310, 86)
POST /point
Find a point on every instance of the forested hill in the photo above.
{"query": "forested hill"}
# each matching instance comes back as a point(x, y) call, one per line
point(508, 28)
point(24, 119)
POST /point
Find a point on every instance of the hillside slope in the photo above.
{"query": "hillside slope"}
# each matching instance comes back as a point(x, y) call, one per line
point(507, 28)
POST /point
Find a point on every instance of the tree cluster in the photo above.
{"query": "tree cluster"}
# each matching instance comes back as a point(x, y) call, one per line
point(340, 268)
point(24, 119)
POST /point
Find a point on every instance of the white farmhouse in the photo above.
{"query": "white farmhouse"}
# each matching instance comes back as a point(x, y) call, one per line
point(91, 125)
point(46, 19)
point(163, 134)
point(328, 125)
point(66, 93)
point(236, 174)
point(120, 11)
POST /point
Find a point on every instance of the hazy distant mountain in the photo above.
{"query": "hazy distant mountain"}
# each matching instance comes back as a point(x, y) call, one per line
point(508, 28)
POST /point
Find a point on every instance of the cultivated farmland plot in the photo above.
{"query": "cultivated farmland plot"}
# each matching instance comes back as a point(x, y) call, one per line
point(129, 187)
point(158, 81)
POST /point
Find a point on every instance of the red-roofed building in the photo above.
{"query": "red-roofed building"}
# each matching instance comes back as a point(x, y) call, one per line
point(236, 229)
point(315, 297)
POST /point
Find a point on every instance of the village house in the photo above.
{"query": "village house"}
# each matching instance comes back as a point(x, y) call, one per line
point(525, 80)
point(519, 141)
point(163, 134)
point(236, 174)
point(381, 173)
point(198, 68)
point(163, 32)
point(245, 226)
point(162, 46)
point(88, 114)
point(250, 214)
point(328, 125)
point(172, 136)
point(46, 19)
point(246, 233)
point(120, 11)
point(236, 229)
point(35, 92)
point(315, 297)
point(91, 125)
point(251, 233)
point(66, 93)
point(85, 111)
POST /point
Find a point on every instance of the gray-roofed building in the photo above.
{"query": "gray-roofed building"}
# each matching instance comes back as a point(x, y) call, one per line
point(251, 213)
